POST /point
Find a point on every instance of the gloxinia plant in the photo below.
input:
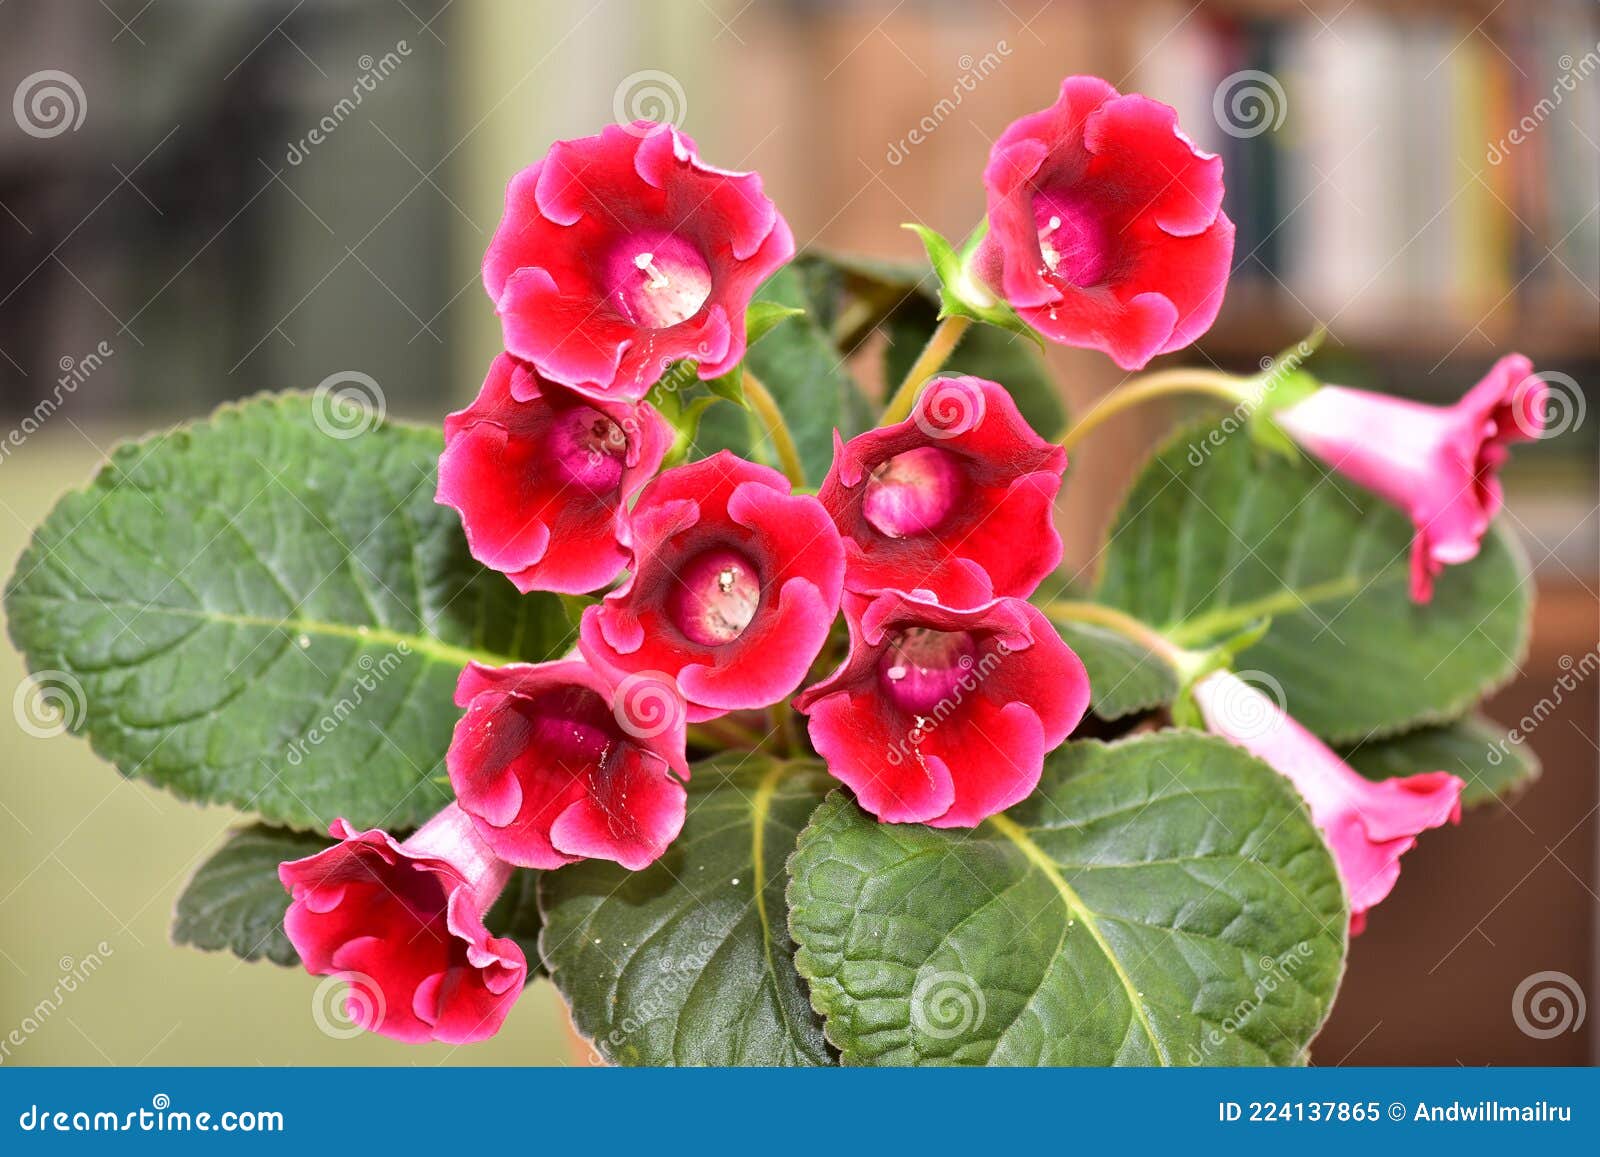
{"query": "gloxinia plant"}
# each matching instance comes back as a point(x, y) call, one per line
point(724, 669)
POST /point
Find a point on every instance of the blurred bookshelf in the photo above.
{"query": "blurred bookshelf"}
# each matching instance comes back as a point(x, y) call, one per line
point(1424, 178)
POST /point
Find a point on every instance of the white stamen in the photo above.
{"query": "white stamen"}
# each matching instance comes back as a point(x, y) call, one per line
point(646, 262)
point(1052, 258)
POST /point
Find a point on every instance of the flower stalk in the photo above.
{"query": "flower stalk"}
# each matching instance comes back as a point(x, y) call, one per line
point(941, 344)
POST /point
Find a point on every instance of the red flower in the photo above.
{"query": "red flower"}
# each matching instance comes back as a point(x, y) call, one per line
point(942, 716)
point(1106, 227)
point(1368, 825)
point(1437, 463)
point(734, 587)
point(403, 924)
point(621, 253)
point(555, 764)
point(541, 479)
point(957, 500)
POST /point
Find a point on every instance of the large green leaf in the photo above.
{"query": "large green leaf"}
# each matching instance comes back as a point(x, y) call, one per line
point(799, 363)
point(1480, 751)
point(263, 613)
point(689, 961)
point(1124, 677)
point(1164, 900)
point(1213, 538)
point(234, 901)
point(516, 914)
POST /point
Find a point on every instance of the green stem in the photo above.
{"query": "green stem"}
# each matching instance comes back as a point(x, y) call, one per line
point(723, 733)
point(941, 344)
point(766, 408)
point(1165, 383)
point(1181, 659)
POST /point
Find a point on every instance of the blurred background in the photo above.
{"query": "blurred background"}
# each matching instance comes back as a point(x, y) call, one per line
point(202, 200)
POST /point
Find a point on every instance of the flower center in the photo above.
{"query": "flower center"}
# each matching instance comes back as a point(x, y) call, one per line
point(912, 493)
point(658, 279)
point(573, 727)
point(587, 449)
point(1072, 241)
point(715, 597)
point(923, 667)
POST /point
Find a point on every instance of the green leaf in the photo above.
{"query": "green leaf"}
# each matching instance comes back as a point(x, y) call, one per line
point(805, 373)
point(765, 316)
point(1164, 900)
point(1216, 534)
point(263, 614)
point(985, 352)
point(760, 320)
point(1493, 763)
point(959, 296)
point(689, 961)
point(860, 272)
point(235, 902)
point(1124, 677)
point(516, 914)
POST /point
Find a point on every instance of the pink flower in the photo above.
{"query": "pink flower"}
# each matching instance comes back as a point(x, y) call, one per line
point(735, 584)
point(621, 253)
point(403, 923)
point(541, 477)
point(943, 716)
point(1368, 824)
point(957, 500)
point(1438, 464)
point(554, 764)
point(1106, 227)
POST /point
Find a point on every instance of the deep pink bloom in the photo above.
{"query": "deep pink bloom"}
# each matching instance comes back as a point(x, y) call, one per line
point(943, 716)
point(734, 586)
point(542, 483)
point(555, 763)
point(1439, 464)
point(1368, 824)
point(958, 499)
point(621, 253)
point(403, 923)
point(1106, 227)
